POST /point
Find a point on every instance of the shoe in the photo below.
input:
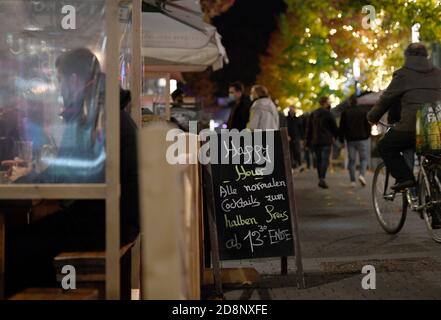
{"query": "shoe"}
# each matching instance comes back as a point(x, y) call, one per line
point(401, 186)
point(414, 196)
point(353, 184)
point(362, 181)
point(322, 184)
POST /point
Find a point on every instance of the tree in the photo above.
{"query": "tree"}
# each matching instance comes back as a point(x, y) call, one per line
point(312, 52)
point(213, 8)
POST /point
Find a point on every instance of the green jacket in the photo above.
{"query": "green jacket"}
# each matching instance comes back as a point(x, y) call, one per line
point(418, 82)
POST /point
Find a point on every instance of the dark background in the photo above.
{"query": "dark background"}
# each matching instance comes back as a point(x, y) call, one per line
point(245, 29)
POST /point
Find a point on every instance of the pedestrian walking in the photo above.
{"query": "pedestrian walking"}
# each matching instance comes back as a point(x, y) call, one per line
point(356, 131)
point(240, 107)
point(263, 113)
point(296, 137)
point(321, 134)
point(308, 157)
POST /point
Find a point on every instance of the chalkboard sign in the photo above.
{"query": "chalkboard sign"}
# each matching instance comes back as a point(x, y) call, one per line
point(252, 209)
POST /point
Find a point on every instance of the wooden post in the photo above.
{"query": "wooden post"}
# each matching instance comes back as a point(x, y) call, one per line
point(284, 266)
point(201, 223)
point(113, 152)
point(2, 257)
point(293, 208)
point(217, 276)
point(137, 65)
point(136, 113)
point(161, 213)
point(195, 228)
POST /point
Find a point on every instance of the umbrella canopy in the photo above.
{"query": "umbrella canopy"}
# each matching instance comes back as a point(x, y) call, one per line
point(175, 37)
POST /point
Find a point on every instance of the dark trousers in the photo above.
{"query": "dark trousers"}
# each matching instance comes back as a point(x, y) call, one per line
point(296, 155)
point(307, 157)
point(390, 148)
point(322, 154)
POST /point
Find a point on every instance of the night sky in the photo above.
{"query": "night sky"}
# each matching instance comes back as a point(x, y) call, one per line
point(245, 31)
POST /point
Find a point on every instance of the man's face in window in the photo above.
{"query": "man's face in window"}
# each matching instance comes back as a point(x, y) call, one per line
point(71, 87)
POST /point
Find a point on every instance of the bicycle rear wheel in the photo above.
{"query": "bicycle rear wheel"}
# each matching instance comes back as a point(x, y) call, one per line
point(430, 191)
point(390, 208)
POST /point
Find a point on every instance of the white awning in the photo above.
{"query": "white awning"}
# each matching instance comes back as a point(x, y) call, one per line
point(175, 37)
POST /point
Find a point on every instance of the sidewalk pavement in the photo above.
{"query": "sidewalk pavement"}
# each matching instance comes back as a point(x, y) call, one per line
point(339, 234)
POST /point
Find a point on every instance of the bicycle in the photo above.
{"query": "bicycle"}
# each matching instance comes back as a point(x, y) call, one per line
point(425, 199)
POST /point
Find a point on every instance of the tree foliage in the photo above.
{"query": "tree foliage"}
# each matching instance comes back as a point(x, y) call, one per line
point(313, 51)
point(213, 8)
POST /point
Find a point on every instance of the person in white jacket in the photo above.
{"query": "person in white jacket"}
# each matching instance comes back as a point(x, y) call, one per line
point(263, 113)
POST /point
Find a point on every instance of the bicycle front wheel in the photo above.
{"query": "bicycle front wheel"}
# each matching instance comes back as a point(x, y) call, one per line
point(390, 208)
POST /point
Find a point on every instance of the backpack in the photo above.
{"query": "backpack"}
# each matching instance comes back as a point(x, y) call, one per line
point(428, 128)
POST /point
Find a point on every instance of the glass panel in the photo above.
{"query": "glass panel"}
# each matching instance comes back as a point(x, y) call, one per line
point(125, 45)
point(155, 86)
point(52, 59)
point(126, 57)
point(155, 97)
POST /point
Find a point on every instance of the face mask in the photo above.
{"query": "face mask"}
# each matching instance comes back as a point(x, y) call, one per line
point(231, 98)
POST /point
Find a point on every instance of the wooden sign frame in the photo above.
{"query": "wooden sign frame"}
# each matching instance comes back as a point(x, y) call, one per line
point(215, 257)
point(292, 208)
point(211, 213)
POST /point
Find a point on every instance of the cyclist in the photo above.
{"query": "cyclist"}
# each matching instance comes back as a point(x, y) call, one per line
point(416, 83)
